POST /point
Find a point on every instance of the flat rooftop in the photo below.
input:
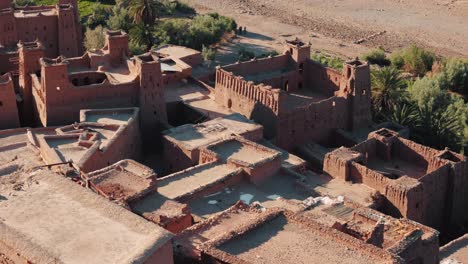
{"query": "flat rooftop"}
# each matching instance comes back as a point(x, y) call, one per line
point(177, 51)
point(195, 136)
point(246, 153)
point(282, 241)
point(155, 205)
point(52, 217)
point(280, 190)
point(194, 179)
point(209, 108)
point(118, 116)
point(184, 91)
point(124, 180)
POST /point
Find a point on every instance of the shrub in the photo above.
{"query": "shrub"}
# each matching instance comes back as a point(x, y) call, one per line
point(414, 60)
point(21, 3)
point(100, 15)
point(376, 56)
point(94, 38)
point(202, 30)
point(245, 54)
point(208, 54)
point(120, 19)
point(454, 75)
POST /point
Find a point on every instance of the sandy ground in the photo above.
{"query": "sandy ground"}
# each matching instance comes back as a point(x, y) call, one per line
point(334, 25)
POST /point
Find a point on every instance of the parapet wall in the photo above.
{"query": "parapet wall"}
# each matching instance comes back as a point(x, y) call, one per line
point(259, 65)
point(245, 94)
point(258, 102)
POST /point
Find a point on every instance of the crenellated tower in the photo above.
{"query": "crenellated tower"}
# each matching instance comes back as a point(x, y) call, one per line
point(151, 94)
point(355, 83)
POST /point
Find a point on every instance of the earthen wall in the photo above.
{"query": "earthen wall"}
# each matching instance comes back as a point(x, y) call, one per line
point(8, 109)
point(321, 79)
point(258, 65)
point(314, 122)
point(435, 185)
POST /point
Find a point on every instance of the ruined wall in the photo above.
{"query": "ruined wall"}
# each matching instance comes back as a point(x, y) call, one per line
point(314, 122)
point(8, 109)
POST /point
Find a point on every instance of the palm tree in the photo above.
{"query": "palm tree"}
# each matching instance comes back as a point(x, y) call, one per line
point(404, 114)
point(387, 88)
point(141, 35)
point(145, 11)
point(439, 128)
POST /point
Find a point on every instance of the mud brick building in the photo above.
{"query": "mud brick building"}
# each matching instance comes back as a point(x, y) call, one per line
point(9, 117)
point(418, 182)
point(295, 99)
point(57, 89)
point(57, 27)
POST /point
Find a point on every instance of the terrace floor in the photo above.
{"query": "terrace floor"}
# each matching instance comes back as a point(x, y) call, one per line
point(280, 241)
point(278, 186)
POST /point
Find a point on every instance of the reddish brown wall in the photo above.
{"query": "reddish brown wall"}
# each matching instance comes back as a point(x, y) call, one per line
point(311, 123)
point(8, 109)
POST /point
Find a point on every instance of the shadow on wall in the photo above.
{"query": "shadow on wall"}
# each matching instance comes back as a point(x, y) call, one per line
point(267, 118)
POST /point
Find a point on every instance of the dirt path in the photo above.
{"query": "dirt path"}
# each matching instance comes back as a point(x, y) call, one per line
point(334, 25)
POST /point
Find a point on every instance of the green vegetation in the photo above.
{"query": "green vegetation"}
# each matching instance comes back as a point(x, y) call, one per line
point(327, 60)
point(155, 23)
point(85, 6)
point(414, 60)
point(94, 38)
point(377, 56)
point(436, 117)
point(194, 33)
point(454, 76)
point(208, 54)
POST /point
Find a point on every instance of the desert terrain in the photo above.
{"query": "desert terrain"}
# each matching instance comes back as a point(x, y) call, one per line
point(335, 26)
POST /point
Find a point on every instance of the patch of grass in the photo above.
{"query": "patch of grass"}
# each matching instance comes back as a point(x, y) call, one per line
point(328, 60)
